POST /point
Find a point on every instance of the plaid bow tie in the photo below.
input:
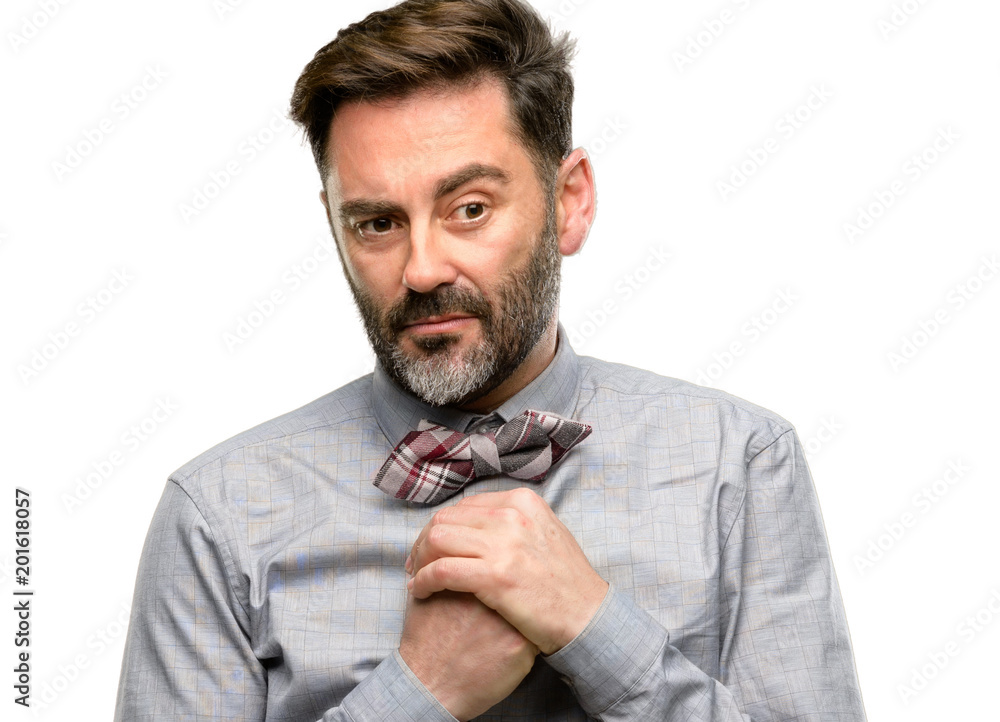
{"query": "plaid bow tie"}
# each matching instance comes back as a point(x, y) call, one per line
point(435, 462)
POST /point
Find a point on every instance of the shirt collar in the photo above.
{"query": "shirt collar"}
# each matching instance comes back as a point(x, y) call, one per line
point(556, 390)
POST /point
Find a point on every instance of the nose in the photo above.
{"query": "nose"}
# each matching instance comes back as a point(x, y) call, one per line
point(430, 262)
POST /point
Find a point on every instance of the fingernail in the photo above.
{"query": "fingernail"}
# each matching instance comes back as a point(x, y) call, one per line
point(409, 584)
point(409, 564)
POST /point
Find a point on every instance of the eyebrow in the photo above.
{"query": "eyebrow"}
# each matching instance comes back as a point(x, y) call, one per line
point(473, 171)
point(361, 207)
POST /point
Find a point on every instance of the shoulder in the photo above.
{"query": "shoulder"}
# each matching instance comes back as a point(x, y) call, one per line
point(653, 400)
point(349, 405)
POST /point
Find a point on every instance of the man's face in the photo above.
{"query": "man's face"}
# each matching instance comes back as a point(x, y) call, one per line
point(447, 238)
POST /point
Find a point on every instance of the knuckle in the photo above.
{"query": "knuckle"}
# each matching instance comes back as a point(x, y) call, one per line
point(444, 571)
point(507, 514)
point(524, 494)
point(515, 518)
point(437, 535)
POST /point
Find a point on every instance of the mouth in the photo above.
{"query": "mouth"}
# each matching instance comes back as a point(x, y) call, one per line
point(445, 323)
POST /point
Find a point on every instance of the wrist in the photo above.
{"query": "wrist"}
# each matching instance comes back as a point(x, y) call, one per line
point(580, 617)
point(424, 679)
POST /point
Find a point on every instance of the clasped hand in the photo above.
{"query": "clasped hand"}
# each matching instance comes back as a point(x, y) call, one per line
point(511, 551)
point(495, 579)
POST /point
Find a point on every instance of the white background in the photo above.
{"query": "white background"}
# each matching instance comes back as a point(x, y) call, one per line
point(662, 134)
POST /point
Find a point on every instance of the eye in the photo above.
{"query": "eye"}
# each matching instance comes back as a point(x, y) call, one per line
point(471, 211)
point(375, 228)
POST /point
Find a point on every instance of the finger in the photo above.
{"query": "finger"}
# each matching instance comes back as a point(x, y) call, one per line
point(522, 499)
point(458, 574)
point(452, 515)
point(448, 540)
point(491, 499)
point(408, 565)
point(489, 517)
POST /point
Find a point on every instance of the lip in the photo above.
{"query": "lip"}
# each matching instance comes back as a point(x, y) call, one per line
point(446, 323)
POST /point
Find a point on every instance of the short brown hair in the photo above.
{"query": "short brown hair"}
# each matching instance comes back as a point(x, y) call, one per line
point(421, 44)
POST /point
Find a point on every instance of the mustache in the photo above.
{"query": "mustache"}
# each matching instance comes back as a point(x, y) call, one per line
point(447, 299)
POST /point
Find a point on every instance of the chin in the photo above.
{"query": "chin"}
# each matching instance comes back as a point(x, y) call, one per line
point(430, 344)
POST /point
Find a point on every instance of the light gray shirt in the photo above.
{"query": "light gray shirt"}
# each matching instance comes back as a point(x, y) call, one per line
point(271, 584)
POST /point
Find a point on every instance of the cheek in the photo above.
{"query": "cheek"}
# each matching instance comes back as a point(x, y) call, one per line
point(514, 253)
point(505, 248)
point(355, 271)
point(379, 275)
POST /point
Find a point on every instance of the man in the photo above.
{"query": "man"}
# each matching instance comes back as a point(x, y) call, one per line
point(629, 546)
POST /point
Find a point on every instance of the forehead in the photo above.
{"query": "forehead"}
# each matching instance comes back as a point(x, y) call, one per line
point(391, 147)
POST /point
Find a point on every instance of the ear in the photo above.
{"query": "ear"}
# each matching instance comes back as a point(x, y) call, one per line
point(576, 201)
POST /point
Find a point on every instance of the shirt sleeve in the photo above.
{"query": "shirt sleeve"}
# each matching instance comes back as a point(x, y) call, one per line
point(189, 652)
point(785, 647)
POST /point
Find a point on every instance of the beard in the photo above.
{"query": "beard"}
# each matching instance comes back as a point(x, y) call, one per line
point(439, 372)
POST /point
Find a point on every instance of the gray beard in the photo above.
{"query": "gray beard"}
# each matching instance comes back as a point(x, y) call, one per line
point(441, 380)
point(512, 326)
